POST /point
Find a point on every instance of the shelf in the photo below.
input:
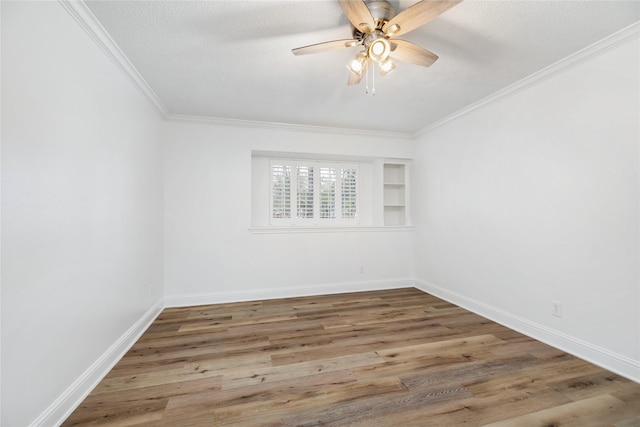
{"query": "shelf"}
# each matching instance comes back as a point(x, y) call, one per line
point(394, 173)
point(394, 193)
point(394, 215)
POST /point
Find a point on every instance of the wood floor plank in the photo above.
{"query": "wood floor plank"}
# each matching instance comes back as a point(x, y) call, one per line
point(118, 384)
point(250, 375)
point(339, 342)
point(591, 385)
point(397, 357)
point(371, 408)
point(585, 412)
point(146, 355)
point(478, 411)
point(112, 414)
point(205, 405)
point(322, 402)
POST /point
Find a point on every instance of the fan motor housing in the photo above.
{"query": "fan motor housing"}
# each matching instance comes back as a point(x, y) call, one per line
point(382, 11)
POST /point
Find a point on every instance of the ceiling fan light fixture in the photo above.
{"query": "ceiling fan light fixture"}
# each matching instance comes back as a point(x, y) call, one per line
point(374, 28)
point(386, 66)
point(357, 64)
point(392, 30)
point(379, 49)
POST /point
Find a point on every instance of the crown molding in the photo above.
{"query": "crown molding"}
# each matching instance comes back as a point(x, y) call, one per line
point(81, 13)
point(286, 126)
point(90, 24)
point(598, 48)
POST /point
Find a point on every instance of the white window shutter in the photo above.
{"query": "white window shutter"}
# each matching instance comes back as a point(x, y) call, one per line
point(305, 192)
point(349, 192)
point(314, 193)
point(281, 191)
point(327, 192)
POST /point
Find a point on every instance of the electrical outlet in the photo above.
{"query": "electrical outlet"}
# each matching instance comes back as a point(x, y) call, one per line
point(556, 308)
point(362, 269)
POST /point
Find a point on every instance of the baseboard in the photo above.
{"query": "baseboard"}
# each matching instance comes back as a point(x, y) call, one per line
point(65, 404)
point(592, 353)
point(285, 292)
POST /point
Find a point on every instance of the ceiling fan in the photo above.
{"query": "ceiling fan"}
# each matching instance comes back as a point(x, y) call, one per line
point(375, 26)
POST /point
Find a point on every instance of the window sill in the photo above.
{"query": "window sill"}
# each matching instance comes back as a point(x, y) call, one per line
point(326, 229)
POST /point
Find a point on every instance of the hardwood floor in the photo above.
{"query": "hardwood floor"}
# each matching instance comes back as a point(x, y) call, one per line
point(385, 358)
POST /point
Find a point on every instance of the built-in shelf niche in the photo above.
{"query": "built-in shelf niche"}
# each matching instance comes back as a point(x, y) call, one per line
point(394, 194)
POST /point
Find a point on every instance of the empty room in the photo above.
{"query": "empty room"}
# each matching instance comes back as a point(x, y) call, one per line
point(320, 212)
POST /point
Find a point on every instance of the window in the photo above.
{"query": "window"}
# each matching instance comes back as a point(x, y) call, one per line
point(311, 192)
point(293, 192)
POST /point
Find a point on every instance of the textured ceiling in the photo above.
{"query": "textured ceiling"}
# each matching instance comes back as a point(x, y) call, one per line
point(233, 60)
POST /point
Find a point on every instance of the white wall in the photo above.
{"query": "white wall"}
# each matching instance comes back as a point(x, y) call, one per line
point(533, 198)
point(81, 210)
point(210, 254)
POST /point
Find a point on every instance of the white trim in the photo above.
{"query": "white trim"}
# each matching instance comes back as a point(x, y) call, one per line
point(595, 354)
point(323, 229)
point(73, 396)
point(325, 157)
point(287, 126)
point(90, 24)
point(600, 47)
point(187, 300)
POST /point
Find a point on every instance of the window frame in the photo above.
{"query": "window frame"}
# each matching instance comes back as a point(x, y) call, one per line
point(316, 220)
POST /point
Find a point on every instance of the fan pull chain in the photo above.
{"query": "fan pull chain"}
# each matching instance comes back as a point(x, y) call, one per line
point(366, 88)
point(373, 79)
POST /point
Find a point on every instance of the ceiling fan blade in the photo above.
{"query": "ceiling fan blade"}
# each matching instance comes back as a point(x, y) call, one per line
point(354, 79)
point(418, 15)
point(358, 14)
point(325, 46)
point(412, 53)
